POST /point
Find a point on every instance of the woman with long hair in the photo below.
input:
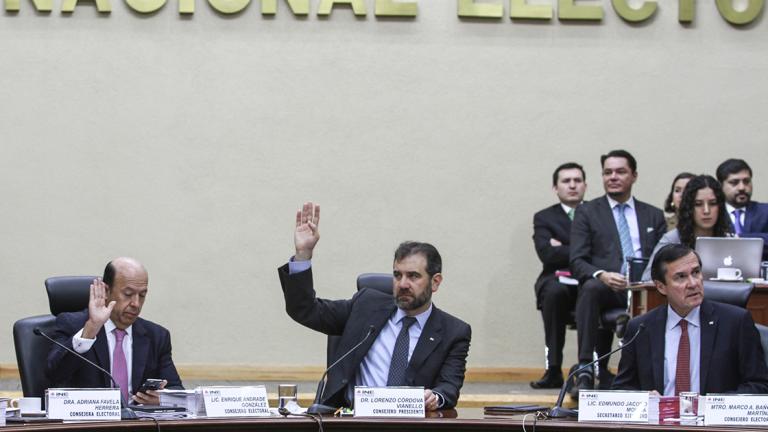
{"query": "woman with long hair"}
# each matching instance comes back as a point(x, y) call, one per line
point(672, 203)
point(701, 214)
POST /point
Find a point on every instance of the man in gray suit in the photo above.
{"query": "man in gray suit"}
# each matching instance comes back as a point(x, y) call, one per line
point(605, 231)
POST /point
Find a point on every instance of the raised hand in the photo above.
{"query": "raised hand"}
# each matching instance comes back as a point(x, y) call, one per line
point(99, 310)
point(306, 234)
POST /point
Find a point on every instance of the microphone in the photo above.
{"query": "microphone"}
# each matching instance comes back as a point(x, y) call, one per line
point(317, 407)
point(558, 411)
point(125, 412)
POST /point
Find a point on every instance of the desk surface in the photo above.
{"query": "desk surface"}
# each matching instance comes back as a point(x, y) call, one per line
point(467, 419)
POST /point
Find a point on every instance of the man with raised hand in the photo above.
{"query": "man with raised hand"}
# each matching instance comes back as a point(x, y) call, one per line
point(111, 334)
point(414, 343)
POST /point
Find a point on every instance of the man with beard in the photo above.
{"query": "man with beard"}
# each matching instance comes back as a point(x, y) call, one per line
point(414, 343)
point(748, 218)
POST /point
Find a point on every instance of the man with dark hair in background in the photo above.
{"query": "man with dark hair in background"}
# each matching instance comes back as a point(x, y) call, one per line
point(605, 232)
point(691, 344)
point(748, 218)
point(415, 343)
point(111, 334)
point(552, 237)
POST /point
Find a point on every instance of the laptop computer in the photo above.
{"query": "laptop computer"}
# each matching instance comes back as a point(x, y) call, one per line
point(744, 254)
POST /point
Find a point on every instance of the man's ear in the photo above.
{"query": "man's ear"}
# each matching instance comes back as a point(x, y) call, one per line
point(437, 278)
point(661, 288)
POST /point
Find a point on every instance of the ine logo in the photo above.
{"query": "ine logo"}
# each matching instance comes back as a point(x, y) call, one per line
point(728, 260)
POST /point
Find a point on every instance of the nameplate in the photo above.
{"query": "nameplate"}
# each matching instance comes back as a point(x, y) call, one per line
point(735, 410)
point(389, 402)
point(613, 406)
point(83, 404)
point(236, 401)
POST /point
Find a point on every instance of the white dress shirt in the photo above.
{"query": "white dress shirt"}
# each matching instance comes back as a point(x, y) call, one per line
point(671, 343)
point(82, 345)
point(634, 228)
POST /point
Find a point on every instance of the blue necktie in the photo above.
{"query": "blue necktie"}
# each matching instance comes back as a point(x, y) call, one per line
point(737, 222)
point(400, 354)
point(626, 239)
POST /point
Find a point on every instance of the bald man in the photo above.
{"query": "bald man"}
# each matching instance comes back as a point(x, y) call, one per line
point(111, 334)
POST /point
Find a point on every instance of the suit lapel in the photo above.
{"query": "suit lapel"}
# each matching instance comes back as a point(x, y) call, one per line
point(708, 332)
point(658, 328)
point(430, 338)
point(140, 353)
point(378, 319)
point(102, 354)
point(642, 227)
point(749, 212)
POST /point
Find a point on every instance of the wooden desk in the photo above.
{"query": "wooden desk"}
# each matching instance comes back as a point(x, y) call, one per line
point(645, 297)
point(467, 419)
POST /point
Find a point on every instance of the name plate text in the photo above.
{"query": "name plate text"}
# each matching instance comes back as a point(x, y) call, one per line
point(248, 401)
point(389, 402)
point(613, 406)
point(735, 410)
point(83, 404)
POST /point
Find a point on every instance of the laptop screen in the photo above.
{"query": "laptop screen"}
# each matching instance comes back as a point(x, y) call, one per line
point(743, 254)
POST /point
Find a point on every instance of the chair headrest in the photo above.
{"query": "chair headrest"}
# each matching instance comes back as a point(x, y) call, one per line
point(378, 281)
point(68, 293)
point(735, 293)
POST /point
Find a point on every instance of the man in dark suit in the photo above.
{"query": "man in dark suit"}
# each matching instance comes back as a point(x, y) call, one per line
point(691, 344)
point(414, 343)
point(605, 231)
point(748, 218)
point(111, 334)
point(552, 237)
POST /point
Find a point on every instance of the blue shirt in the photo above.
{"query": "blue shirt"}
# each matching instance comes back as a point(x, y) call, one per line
point(374, 369)
point(671, 343)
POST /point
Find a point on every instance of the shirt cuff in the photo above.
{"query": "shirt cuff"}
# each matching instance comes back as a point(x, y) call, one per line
point(597, 273)
point(80, 344)
point(440, 399)
point(298, 266)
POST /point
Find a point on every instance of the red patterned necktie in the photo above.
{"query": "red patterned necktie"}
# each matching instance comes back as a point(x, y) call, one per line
point(683, 372)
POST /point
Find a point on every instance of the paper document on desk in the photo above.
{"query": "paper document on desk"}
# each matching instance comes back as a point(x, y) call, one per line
point(191, 400)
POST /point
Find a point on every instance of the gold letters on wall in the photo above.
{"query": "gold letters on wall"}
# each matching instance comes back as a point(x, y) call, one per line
point(582, 10)
point(519, 9)
point(624, 10)
point(739, 18)
point(470, 9)
point(358, 6)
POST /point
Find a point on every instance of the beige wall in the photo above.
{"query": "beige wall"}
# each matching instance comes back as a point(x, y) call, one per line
point(189, 143)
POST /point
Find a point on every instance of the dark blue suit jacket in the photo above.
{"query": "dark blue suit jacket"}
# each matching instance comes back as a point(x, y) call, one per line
point(438, 361)
point(595, 243)
point(756, 224)
point(151, 355)
point(732, 358)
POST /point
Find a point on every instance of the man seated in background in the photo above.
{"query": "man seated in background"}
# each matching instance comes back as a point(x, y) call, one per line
point(414, 343)
point(605, 232)
point(748, 218)
point(111, 334)
point(691, 344)
point(552, 237)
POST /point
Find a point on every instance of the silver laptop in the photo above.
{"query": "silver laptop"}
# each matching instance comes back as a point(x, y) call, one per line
point(743, 254)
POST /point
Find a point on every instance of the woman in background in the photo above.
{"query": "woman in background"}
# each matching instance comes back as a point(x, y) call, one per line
point(672, 203)
point(701, 213)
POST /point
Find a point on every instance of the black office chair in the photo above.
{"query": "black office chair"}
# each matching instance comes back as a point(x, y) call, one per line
point(734, 293)
point(65, 294)
point(378, 281)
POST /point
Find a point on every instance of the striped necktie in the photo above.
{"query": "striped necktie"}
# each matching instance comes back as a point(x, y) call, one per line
point(627, 249)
